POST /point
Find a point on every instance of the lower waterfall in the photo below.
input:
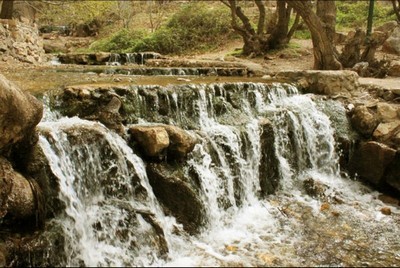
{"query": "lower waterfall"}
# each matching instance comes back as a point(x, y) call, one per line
point(271, 187)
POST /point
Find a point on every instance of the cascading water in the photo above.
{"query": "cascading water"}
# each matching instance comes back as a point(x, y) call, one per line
point(113, 218)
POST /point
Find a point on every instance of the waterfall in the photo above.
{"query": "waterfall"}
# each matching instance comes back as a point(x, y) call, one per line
point(105, 189)
point(254, 140)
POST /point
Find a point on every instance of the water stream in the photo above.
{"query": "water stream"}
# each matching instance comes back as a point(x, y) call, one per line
point(113, 218)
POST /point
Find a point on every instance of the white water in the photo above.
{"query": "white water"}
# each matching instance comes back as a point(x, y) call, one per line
point(242, 230)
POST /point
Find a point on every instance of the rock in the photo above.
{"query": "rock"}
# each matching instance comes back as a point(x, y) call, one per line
point(370, 161)
point(394, 69)
point(20, 112)
point(388, 199)
point(178, 195)
point(324, 206)
point(385, 131)
point(387, 112)
point(392, 174)
point(364, 121)
point(153, 140)
point(269, 171)
point(330, 83)
point(18, 199)
point(392, 44)
point(386, 211)
point(181, 142)
point(21, 41)
point(314, 188)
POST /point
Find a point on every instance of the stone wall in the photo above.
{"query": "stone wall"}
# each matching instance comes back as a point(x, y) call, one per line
point(20, 41)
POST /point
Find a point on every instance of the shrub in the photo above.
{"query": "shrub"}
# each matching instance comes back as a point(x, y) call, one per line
point(194, 27)
point(118, 42)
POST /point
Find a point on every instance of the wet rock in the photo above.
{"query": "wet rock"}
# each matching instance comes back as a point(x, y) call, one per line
point(20, 112)
point(389, 199)
point(314, 188)
point(386, 211)
point(181, 142)
point(364, 121)
point(153, 140)
point(370, 161)
point(269, 169)
point(18, 199)
point(178, 195)
point(110, 117)
point(392, 174)
point(324, 206)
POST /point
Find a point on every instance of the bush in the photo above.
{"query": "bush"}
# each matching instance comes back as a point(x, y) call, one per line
point(355, 14)
point(118, 42)
point(195, 27)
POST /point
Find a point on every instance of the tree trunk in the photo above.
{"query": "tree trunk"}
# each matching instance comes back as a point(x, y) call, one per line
point(7, 9)
point(261, 40)
point(279, 36)
point(324, 54)
point(326, 11)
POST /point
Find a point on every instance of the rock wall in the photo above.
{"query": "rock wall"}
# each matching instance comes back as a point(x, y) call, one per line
point(21, 42)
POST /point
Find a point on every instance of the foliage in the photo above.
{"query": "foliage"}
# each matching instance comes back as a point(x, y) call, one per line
point(73, 12)
point(120, 41)
point(353, 14)
point(194, 27)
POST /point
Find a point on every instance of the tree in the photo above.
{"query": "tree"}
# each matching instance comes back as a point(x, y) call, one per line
point(325, 57)
point(265, 36)
point(396, 9)
point(7, 8)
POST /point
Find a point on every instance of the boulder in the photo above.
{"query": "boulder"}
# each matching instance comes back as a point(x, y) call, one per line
point(387, 112)
point(178, 195)
point(370, 161)
point(20, 112)
point(152, 140)
point(392, 44)
point(392, 174)
point(17, 196)
point(364, 121)
point(181, 142)
point(385, 131)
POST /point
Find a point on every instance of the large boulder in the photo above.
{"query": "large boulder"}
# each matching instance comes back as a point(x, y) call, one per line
point(178, 194)
point(158, 142)
point(20, 112)
point(370, 161)
point(153, 140)
point(181, 142)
